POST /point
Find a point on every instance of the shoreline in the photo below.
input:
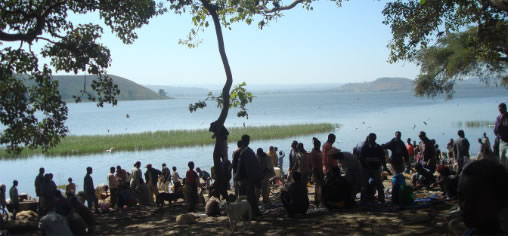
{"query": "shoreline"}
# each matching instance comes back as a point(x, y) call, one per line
point(93, 144)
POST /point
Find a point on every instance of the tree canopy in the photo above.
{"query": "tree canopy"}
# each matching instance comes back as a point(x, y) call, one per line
point(31, 109)
point(450, 40)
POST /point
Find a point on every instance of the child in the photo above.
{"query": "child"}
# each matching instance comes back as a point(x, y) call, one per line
point(482, 193)
point(191, 186)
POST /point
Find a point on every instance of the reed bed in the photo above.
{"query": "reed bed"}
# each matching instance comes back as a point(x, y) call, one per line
point(91, 144)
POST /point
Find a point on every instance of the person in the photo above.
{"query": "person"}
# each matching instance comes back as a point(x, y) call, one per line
point(191, 187)
point(399, 152)
point(449, 147)
point(411, 154)
point(48, 193)
point(482, 194)
point(70, 188)
point(328, 162)
point(281, 159)
point(486, 141)
point(292, 154)
point(248, 174)
point(372, 157)
point(501, 132)
point(235, 158)
point(166, 178)
point(267, 171)
point(3, 202)
point(89, 190)
point(485, 150)
point(175, 176)
point(114, 185)
point(302, 163)
point(151, 177)
point(54, 224)
point(136, 179)
point(13, 194)
point(352, 167)
point(336, 190)
point(205, 176)
point(272, 153)
point(122, 176)
point(461, 150)
point(295, 198)
point(38, 182)
point(426, 165)
point(316, 158)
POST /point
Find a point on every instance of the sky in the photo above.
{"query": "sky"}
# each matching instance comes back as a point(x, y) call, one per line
point(326, 45)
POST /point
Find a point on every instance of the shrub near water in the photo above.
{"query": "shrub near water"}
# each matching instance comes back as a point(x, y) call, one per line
point(81, 145)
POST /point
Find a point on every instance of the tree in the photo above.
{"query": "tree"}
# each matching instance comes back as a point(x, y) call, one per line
point(162, 93)
point(223, 14)
point(472, 41)
point(30, 106)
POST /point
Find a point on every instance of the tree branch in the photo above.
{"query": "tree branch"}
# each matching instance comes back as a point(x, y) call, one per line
point(31, 34)
point(266, 10)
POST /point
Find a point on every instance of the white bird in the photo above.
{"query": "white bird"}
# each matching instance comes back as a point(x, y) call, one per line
point(109, 150)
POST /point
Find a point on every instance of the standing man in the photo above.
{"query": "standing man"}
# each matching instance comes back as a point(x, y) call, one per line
point(399, 153)
point(427, 161)
point(151, 176)
point(136, 179)
point(113, 184)
point(166, 178)
point(248, 174)
point(292, 154)
point(372, 157)
point(328, 162)
point(501, 131)
point(89, 190)
point(13, 194)
point(461, 150)
point(38, 182)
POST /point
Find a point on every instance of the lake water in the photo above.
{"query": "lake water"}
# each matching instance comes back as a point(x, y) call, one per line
point(357, 113)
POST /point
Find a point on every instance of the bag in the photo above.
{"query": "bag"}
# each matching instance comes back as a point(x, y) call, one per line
point(406, 196)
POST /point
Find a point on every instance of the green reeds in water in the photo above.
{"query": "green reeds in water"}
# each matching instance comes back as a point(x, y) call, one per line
point(83, 145)
point(476, 124)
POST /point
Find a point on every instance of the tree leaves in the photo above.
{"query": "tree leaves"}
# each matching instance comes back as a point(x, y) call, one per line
point(31, 108)
point(239, 98)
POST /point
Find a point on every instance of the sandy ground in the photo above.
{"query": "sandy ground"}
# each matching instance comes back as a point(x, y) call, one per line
point(373, 220)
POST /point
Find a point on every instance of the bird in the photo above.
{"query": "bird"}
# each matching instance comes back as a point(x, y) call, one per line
point(109, 150)
point(425, 123)
point(127, 116)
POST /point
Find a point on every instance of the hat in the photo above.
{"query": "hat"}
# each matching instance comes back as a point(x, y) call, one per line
point(149, 166)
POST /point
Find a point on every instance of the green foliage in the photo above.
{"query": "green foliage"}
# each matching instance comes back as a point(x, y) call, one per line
point(234, 11)
point(82, 145)
point(472, 40)
point(238, 98)
point(68, 47)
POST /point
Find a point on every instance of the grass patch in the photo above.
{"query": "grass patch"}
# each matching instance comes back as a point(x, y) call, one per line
point(475, 124)
point(90, 144)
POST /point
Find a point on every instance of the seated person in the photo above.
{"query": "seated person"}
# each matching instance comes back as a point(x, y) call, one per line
point(337, 190)
point(482, 194)
point(295, 198)
point(448, 181)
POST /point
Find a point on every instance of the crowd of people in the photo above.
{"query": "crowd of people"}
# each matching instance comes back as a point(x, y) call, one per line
point(337, 176)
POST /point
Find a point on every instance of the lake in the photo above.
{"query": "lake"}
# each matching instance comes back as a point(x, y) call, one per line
point(357, 113)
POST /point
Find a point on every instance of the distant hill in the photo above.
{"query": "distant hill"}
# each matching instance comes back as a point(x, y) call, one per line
point(387, 84)
point(176, 91)
point(71, 85)
point(378, 85)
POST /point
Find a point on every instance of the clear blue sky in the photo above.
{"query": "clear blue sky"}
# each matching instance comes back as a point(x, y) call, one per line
point(326, 45)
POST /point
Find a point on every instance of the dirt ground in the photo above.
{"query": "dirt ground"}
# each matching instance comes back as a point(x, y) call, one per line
point(431, 219)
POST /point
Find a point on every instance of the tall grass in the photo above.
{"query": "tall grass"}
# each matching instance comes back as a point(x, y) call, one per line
point(475, 124)
point(82, 145)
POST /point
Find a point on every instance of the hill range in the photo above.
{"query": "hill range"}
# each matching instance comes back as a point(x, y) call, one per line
point(393, 84)
point(71, 85)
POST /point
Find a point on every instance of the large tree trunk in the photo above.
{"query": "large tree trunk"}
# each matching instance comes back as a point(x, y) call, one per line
point(217, 127)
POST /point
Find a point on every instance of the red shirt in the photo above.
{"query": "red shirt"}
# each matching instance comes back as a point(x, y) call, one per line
point(328, 162)
point(191, 177)
point(410, 149)
point(316, 158)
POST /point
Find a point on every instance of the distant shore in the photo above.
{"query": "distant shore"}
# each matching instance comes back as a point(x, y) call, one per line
point(92, 144)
